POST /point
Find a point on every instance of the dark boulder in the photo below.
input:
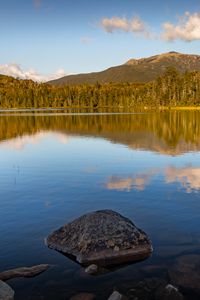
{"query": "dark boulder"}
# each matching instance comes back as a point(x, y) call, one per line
point(103, 238)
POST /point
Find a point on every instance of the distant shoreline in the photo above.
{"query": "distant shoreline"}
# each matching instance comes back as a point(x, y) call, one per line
point(102, 109)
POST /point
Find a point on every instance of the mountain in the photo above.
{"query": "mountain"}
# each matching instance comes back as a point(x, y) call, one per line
point(136, 70)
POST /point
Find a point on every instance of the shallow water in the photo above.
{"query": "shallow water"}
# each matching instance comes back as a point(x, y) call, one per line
point(53, 168)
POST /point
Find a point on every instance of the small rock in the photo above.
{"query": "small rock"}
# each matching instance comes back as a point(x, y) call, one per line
point(169, 292)
point(83, 296)
point(170, 288)
point(115, 296)
point(92, 269)
point(111, 243)
point(116, 248)
point(6, 292)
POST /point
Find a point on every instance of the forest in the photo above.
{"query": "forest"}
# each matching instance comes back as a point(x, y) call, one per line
point(169, 90)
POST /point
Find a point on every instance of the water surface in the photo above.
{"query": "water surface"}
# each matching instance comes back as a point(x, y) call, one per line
point(55, 167)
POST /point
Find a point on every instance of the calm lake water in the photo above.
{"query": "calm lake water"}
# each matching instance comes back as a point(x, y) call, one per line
point(55, 167)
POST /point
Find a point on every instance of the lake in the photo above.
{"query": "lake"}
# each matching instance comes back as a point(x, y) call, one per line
point(55, 167)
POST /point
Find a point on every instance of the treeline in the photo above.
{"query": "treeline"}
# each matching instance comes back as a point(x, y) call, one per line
point(171, 89)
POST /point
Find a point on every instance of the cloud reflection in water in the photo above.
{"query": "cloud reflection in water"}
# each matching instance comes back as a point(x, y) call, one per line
point(187, 177)
point(20, 142)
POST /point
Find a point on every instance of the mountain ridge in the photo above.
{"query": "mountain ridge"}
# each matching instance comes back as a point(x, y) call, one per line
point(136, 70)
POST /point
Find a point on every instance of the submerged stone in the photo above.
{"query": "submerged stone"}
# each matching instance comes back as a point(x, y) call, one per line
point(23, 272)
point(185, 272)
point(103, 237)
point(83, 296)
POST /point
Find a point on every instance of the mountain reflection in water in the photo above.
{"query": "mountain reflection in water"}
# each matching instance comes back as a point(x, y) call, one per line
point(166, 133)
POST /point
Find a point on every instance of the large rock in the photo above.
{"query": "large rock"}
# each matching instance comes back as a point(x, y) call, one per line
point(103, 237)
point(6, 292)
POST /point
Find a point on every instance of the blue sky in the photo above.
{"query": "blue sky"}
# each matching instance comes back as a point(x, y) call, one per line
point(83, 36)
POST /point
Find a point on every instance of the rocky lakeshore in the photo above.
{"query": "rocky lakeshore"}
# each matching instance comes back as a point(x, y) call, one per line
point(176, 279)
point(102, 242)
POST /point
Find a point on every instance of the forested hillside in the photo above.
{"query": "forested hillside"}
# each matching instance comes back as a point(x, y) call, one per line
point(171, 89)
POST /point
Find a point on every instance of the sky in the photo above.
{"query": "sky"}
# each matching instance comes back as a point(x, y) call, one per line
point(47, 39)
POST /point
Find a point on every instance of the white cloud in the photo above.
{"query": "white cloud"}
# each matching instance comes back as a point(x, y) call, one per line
point(135, 25)
point(187, 29)
point(16, 71)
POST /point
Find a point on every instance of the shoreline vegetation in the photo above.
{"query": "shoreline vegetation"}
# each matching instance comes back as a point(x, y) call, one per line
point(171, 91)
point(99, 109)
